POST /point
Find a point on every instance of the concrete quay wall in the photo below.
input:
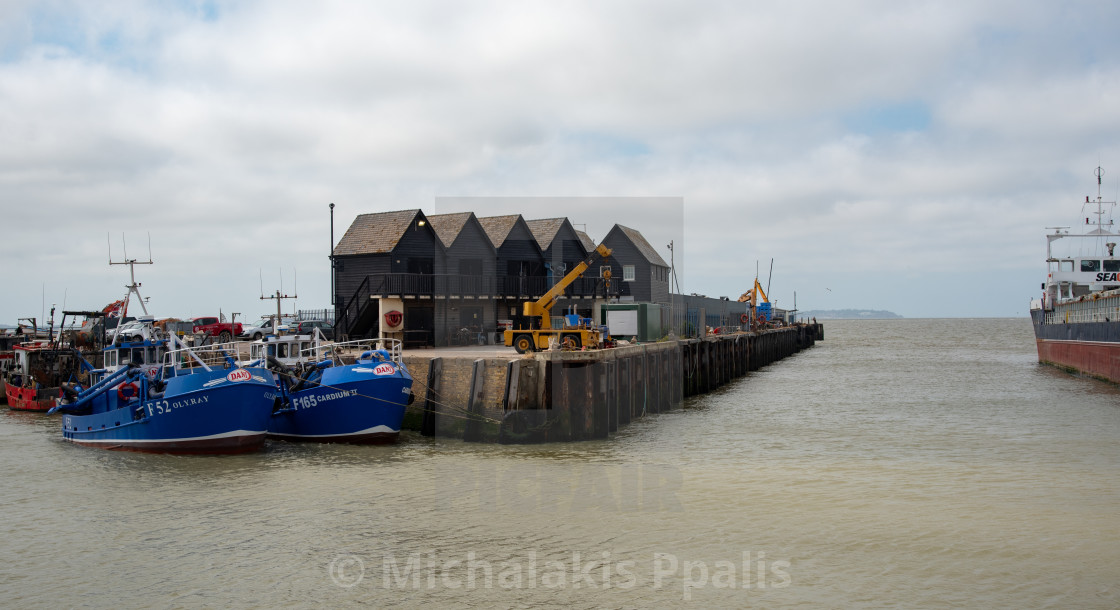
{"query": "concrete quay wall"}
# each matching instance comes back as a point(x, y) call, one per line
point(571, 396)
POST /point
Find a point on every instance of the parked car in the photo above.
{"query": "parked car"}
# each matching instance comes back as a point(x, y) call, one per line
point(306, 327)
point(210, 325)
point(261, 327)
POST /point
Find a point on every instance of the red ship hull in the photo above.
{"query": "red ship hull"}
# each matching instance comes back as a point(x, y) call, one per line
point(1094, 359)
point(29, 399)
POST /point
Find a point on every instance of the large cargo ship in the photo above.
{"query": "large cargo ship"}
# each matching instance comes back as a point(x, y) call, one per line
point(1077, 320)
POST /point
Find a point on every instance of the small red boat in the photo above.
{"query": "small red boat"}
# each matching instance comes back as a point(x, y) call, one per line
point(40, 368)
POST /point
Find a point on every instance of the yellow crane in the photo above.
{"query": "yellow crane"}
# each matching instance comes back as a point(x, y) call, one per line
point(527, 340)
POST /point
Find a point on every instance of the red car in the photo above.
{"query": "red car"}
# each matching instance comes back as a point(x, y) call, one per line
point(209, 325)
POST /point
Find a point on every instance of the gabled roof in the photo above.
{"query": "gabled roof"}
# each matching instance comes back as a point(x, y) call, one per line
point(448, 226)
point(642, 245)
point(545, 230)
point(375, 233)
point(498, 227)
point(585, 239)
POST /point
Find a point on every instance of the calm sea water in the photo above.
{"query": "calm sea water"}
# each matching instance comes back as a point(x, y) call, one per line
point(927, 463)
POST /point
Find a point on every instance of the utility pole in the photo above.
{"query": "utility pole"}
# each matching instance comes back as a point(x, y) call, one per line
point(673, 283)
point(334, 313)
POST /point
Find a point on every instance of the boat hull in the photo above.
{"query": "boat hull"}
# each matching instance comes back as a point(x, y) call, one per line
point(204, 413)
point(30, 399)
point(354, 404)
point(1088, 348)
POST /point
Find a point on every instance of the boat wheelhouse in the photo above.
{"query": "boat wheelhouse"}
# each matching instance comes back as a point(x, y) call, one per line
point(38, 371)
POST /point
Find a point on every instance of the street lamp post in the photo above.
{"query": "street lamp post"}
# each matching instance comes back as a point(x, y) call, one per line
point(335, 314)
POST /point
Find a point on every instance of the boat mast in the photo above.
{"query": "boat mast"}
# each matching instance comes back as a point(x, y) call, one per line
point(134, 286)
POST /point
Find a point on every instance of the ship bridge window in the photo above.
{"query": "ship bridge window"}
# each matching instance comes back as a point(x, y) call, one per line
point(1111, 265)
point(1065, 265)
point(1090, 265)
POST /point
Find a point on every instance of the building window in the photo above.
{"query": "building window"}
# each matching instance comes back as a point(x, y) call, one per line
point(628, 273)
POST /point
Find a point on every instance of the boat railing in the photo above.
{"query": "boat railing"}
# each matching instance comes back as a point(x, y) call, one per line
point(1105, 307)
point(182, 357)
point(349, 351)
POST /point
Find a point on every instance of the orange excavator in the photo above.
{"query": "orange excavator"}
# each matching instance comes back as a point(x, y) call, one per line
point(760, 312)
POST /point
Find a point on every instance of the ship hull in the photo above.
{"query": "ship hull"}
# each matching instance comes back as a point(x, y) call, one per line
point(1090, 348)
point(216, 412)
point(30, 399)
point(354, 404)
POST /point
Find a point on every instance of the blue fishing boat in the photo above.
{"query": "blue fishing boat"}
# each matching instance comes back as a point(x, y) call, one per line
point(351, 392)
point(157, 395)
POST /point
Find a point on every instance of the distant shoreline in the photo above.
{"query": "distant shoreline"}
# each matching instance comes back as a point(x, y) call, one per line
point(849, 314)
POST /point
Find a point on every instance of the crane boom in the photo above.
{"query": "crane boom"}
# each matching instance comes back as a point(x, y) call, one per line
point(542, 307)
point(532, 339)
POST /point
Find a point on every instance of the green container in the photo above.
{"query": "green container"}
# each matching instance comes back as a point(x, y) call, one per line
point(632, 321)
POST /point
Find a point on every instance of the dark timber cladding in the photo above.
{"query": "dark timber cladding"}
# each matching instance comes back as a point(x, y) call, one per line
point(520, 265)
point(467, 268)
point(642, 273)
point(378, 254)
point(562, 249)
point(572, 396)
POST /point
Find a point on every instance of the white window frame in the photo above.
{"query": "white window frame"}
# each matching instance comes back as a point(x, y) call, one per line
point(628, 273)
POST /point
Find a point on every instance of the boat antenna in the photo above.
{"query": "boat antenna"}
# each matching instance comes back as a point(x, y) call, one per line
point(279, 297)
point(134, 286)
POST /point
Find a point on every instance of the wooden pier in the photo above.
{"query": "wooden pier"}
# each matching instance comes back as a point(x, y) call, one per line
point(571, 396)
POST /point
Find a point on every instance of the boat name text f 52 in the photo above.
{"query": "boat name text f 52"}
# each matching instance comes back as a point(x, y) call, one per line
point(159, 407)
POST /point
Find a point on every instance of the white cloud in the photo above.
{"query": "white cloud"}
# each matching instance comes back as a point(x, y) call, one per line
point(227, 137)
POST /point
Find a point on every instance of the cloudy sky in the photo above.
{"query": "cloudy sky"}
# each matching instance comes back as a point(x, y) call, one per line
point(885, 154)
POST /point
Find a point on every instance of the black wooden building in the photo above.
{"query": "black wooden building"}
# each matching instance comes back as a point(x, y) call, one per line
point(642, 274)
point(457, 277)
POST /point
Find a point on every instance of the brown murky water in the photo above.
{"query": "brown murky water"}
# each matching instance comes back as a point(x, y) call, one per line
point(921, 463)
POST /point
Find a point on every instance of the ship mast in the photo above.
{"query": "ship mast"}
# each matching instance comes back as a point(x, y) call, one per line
point(279, 297)
point(134, 286)
point(1100, 230)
